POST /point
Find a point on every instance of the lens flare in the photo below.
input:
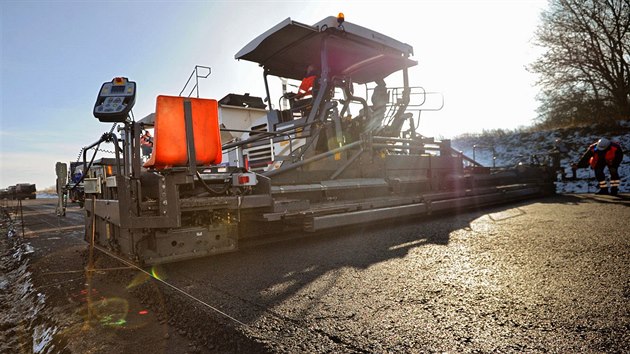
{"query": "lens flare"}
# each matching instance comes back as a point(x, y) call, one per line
point(139, 279)
point(111, 321)
point(111, 312)
point(158, 273)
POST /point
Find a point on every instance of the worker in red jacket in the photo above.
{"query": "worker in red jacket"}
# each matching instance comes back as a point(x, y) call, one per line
point(308, 85)
point(604, 153)
point(146, 143)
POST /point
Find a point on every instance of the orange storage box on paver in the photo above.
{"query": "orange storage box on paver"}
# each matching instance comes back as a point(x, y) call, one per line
point(169, 144)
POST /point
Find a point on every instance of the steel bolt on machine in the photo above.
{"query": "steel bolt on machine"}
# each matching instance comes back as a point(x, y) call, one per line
point(241, 168)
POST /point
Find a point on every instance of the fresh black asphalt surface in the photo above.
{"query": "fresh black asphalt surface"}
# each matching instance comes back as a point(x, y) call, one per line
point(546, 275)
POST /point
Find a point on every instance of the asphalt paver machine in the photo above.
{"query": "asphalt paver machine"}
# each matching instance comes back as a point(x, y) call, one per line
point(241, 168)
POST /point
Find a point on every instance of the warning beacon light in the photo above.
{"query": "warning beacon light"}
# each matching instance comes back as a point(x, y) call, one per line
point(340, 18)
point(115, 100)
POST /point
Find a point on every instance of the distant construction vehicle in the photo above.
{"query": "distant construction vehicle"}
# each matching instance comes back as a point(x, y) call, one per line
point(19, 191)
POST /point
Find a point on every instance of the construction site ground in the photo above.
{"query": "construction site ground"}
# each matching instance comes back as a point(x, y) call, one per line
point(543, 275)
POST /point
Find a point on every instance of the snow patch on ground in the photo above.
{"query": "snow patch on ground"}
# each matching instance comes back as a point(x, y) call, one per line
point(509, 149)
point(24, 327)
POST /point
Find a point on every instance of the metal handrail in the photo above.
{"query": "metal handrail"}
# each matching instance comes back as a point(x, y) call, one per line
point(195, 73)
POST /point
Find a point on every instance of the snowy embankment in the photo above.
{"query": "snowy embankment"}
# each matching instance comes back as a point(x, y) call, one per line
point(526, 147)
point(25, 324)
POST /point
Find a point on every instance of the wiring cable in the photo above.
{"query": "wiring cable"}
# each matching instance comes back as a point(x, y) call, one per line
point(173, 287)
point(210, 190)
point(96, 150)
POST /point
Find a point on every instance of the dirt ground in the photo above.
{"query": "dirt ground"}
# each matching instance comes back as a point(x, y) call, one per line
point(546, 275)
point(88, 312)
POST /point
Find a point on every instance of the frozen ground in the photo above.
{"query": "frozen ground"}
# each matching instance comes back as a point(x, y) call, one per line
point(512, 148)
point(25, 324)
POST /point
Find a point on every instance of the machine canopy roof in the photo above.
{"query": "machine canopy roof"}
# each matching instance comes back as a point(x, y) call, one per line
point(353, 51)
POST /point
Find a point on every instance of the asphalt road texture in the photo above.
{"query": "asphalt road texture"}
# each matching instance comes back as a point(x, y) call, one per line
point(545, 275)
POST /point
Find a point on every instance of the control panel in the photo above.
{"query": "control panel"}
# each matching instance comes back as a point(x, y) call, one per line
point(115, 100)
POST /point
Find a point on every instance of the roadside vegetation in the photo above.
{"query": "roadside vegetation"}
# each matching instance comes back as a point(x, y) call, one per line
point(584, 80)
point(584, 72)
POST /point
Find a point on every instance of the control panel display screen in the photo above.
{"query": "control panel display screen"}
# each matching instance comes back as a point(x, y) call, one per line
point(115, 100)
point(118, 89)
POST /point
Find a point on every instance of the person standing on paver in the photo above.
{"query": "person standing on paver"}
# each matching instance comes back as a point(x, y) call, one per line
point(599, 155)
point(146, 143)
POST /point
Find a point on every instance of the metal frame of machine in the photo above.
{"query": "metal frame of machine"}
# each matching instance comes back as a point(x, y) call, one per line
point(317, 165)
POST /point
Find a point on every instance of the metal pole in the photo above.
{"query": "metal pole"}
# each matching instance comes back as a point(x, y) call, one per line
point(267, 89)
point(197, 80)
point(312, 159)
point(190, 138)
point(347, 164)
point(21, 216)
point(90, 266)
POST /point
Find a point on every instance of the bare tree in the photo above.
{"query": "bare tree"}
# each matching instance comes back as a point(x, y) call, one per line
point(585, 71)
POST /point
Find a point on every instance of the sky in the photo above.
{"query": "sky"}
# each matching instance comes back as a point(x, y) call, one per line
point(54, 56)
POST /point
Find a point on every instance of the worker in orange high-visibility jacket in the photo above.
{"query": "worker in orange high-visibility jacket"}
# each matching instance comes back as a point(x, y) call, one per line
point(604, 153)
point(309, 84)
